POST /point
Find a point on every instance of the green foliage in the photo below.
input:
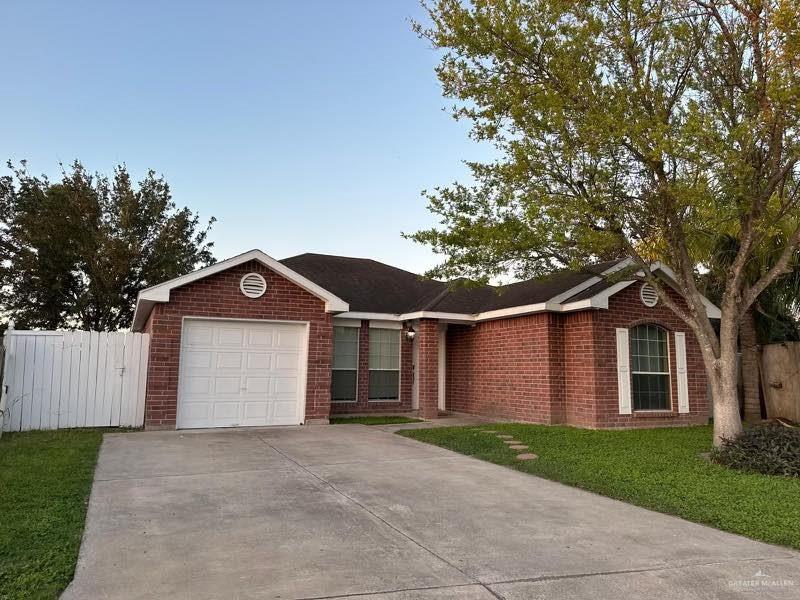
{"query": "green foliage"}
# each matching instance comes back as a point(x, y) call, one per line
point(373, 420)
point(771, 450)
point(645, 126)
point(78, 251)
point(660, 469)
point(45, 479)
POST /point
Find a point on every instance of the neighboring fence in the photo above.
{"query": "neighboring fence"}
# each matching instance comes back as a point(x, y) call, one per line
point(780, 376)
point(61, 379)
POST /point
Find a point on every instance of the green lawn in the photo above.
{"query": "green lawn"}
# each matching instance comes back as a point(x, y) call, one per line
point(45, 479)
point(376, 420)
point(659, 469)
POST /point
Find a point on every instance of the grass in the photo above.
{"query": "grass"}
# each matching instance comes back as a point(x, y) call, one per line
point(45, 479)
point(660, 469)
point(376, 420)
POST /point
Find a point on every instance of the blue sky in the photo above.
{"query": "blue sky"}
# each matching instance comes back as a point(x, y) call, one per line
point(302, 126)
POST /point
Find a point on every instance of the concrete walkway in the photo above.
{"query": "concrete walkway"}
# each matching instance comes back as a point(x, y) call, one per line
point(353, 511)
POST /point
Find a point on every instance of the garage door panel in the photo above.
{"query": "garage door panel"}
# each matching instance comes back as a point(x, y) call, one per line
point(285, 385)
point(259, 360)
point(196, 411)
point(198, 359)
point(288, 338)
point(231, 336)
point(199, 336)
point(200, 386)
point(260, 339)
point(257, 385)
point(283, 409)
point(236, 374)
point(285, 361)
point(225, 411)
point(256, 410)
point(230, 386)
point(229, 360)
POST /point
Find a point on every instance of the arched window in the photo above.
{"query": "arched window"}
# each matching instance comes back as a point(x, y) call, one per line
point(650, 368)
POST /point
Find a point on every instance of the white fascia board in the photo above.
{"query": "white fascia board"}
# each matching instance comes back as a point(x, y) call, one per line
point(339, 322)
point(161, 292)
point(599, 300)
point(712, 310)
point(442, 316)
point(369, 316)
point(576, 289)
point(381, 324)
point(516, 311)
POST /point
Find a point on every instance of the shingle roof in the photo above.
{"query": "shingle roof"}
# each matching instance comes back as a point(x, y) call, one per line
point(367, 285)
point(371, 286)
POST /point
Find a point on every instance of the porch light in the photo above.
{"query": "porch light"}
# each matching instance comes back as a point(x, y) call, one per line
point(410, 333)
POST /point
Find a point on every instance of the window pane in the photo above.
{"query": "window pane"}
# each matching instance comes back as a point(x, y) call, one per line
point(650, 391)
point(384, 385)
point(384, 348)
point(343, 386)
point(649, 368)
point(345, 347)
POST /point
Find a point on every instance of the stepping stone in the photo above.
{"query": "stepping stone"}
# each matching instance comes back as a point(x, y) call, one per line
point(511, 442)
point(518, 447)
point(505, 437)
point(527, 456)
point(487, 430)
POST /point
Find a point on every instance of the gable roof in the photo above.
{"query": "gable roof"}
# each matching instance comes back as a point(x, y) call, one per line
point(153, 295)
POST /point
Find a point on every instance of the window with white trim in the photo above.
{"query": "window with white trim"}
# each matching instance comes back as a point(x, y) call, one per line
point(384, 364)
point(650, 385)
point(344, 375)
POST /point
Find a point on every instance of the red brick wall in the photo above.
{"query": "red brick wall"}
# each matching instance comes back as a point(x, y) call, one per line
point(508, 368)
point(362, 403)
point(562, 368)
point(219, 296)
point(625, 309)
point(580, 370)
point(428, 367)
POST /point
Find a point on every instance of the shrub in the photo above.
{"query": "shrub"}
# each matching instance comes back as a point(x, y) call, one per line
point(770, 449)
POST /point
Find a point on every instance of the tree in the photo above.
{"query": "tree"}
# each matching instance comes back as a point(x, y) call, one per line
point(643, 128)
point(76, 252)
point(773, 317)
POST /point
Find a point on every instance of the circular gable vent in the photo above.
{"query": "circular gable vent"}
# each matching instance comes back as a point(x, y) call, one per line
point(648, 295)
point(253, 285)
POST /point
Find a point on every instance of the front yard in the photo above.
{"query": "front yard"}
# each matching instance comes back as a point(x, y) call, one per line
point(660, 469)
point(45, 479)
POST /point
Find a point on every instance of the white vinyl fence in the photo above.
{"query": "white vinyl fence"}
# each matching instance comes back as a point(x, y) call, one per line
point(60, 379)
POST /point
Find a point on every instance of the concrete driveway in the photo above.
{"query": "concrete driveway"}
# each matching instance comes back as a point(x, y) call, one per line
point(348, 510)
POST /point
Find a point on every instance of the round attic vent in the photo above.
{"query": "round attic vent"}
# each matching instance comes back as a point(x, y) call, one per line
point(648, 295)
point(253, 285)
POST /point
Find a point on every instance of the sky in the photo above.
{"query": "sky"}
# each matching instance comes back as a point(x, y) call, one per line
point(306, 126)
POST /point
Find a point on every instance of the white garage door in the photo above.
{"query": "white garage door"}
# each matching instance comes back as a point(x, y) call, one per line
point(238, 373)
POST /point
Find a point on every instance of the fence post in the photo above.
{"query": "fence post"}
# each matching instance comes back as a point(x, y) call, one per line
point(3, 386)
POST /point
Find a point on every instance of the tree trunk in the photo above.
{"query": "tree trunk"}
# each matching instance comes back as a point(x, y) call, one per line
point(723, 378)
point(751, 354)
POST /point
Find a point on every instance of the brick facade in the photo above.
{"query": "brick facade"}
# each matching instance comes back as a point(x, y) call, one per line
point(428, 368)
point(541, 368)
point(562, 367)
point(218, 296)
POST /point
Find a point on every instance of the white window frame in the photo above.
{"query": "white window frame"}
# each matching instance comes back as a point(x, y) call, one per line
point(668, 373)
point(358, 355)
point(399, 368)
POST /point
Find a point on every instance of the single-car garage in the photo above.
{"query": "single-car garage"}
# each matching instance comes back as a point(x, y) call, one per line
point(246, 341)
point(241, 373)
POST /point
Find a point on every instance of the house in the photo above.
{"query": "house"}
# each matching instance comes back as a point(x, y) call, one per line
point(255, 341)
